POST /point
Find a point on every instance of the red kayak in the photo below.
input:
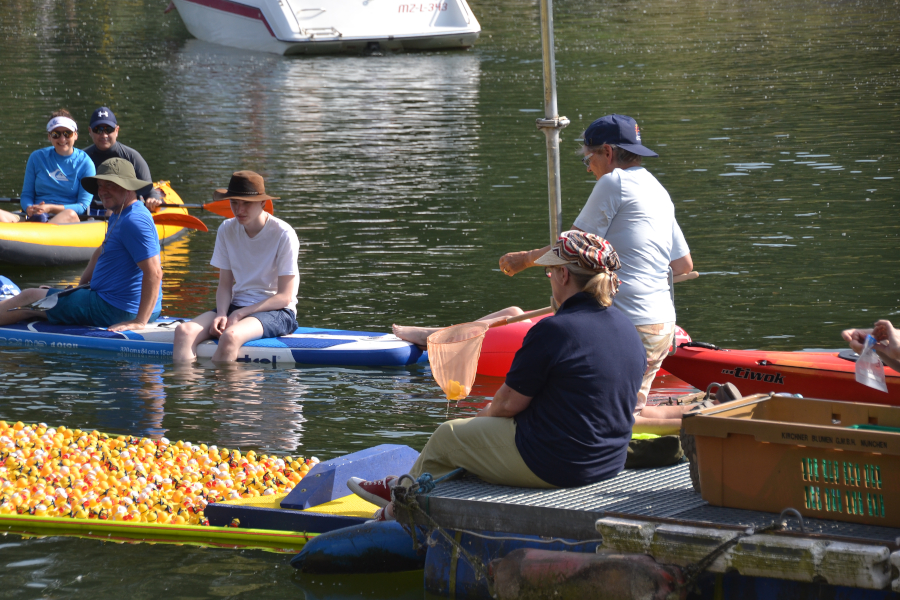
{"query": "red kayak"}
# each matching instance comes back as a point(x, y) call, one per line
point(813, 374)
point(501, 344)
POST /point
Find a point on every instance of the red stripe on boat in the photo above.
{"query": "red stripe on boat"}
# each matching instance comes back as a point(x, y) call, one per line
point(235, 8)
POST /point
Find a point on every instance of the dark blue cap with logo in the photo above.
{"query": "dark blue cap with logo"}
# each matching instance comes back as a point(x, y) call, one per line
point(617, 130)
point(103, 116)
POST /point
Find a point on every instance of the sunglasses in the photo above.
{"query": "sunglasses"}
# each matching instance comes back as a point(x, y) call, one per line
point(99, 129)
point(66, 134)
point(548, 271)
point(586, 160)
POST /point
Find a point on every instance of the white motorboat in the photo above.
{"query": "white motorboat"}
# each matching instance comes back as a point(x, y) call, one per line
point(328, 26)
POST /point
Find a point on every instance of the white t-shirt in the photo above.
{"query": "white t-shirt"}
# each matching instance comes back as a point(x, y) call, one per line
point(257, 262)
point(632, 210)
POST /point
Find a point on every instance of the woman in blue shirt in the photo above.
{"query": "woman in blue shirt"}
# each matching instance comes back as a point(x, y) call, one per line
point(52, 188)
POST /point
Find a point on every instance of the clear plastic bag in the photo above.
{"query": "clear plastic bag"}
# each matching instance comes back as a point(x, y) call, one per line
point(869, 370)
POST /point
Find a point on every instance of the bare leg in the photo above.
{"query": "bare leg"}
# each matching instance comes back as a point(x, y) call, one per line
point(419, 335)
point(65, 216)
point(8, 217)
point(661, 420)
point(231, 340)
point(189, 335)
point(656, 426)
point(9, 315)
point(666, 412)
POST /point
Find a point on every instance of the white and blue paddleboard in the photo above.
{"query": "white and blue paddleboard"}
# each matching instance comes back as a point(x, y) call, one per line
point(307, 345)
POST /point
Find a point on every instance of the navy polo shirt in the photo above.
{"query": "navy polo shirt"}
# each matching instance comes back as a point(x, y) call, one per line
point(583, 368)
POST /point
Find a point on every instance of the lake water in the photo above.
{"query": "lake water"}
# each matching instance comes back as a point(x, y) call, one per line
point(408, 175)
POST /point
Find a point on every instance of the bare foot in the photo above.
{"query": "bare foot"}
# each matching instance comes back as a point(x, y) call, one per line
point(414, 335)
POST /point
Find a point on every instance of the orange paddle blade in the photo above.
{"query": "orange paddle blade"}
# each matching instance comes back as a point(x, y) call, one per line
point(179, 220)
point(223, 208)
point(220, 207)
point(453, 354)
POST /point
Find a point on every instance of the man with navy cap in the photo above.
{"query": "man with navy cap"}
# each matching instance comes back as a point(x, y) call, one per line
point(104, 131)
point(632, 210)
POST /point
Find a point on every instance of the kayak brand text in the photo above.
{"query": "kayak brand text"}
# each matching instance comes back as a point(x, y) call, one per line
point(742, 373)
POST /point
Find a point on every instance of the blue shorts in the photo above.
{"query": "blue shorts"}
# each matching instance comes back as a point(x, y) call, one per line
point(86, 307)
point(274, 322)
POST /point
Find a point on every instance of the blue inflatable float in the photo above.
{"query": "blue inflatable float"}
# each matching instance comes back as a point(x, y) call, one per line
point(373, 547)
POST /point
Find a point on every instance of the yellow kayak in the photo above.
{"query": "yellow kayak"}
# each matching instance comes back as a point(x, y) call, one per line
point(287, 542)
point(46, 244)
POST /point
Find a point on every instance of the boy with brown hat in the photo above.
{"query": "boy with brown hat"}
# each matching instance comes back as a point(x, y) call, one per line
point(256, 254)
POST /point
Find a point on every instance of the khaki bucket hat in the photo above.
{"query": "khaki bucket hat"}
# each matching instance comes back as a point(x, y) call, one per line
point(117, 170)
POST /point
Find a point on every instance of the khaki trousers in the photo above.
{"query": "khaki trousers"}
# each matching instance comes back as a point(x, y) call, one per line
point(483, 446)
point(656, 339)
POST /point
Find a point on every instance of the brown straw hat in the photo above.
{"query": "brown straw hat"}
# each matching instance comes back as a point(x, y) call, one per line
point(244, 185)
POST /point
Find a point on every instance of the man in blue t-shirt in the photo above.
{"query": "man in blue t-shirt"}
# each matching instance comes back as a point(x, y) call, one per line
point(563, 417)
point(121, 288)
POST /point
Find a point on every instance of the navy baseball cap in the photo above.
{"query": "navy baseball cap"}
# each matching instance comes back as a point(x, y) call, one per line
point(618, 130)
point(103, 116)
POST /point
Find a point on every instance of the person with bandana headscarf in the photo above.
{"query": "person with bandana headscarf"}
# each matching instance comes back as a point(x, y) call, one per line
point(563, 417)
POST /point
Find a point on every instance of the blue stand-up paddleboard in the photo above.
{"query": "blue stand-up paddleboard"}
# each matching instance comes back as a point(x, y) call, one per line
point(307, 345)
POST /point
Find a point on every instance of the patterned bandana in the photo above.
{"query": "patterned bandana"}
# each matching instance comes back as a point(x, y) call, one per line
point(588, 251)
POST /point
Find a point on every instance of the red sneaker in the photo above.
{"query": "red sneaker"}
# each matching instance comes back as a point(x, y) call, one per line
point(377, 492)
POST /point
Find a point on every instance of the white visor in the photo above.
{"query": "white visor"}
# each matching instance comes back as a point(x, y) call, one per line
point(61, 122)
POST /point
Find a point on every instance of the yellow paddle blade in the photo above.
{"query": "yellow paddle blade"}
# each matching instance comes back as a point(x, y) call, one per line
point(453, 353)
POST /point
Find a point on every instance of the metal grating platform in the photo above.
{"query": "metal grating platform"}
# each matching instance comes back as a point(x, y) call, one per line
point(751, 518)
point(663, 493)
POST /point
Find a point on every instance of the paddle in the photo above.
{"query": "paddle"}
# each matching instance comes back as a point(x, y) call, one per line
point(219, 207)
point(524, 316)
point(169, 218)
point(686, 277)
point(180, 220)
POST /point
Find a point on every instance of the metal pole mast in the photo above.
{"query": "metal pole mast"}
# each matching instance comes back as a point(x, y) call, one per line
point(551, 123)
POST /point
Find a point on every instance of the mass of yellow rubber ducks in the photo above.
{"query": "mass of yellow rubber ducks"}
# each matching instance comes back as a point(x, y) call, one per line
point(60, 472)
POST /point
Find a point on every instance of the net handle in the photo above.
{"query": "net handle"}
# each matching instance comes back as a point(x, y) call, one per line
point(524, 316)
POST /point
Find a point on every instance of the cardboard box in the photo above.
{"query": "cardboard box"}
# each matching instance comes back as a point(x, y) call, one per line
point(769, 452)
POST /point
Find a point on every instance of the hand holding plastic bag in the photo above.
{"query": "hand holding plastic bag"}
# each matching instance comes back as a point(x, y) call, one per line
point(869, 370)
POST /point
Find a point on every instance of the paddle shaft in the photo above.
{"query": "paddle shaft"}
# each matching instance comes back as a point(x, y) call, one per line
point(686, 277)
point(175, 219)
point(524, 316)
point(220, 207)
point(544, 311)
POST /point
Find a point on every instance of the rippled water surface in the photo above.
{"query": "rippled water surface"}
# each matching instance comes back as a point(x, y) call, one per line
point(408, 175)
